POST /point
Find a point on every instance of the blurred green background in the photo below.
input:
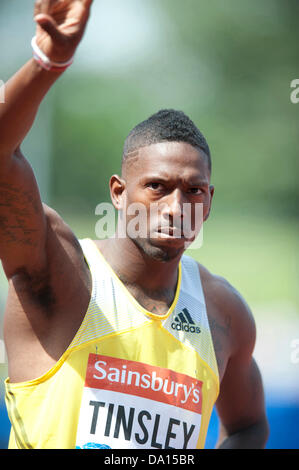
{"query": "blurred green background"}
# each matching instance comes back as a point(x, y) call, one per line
point(228, 65)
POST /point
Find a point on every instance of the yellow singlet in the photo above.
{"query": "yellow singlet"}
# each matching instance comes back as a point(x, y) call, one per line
point(129, 379)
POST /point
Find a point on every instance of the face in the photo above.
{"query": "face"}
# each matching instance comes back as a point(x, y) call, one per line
point(163, 197)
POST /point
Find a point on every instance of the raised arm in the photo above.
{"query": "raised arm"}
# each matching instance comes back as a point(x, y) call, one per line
point(60, 27)
point(23, 225)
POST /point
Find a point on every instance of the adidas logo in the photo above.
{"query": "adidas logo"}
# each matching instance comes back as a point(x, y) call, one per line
point(184, 322)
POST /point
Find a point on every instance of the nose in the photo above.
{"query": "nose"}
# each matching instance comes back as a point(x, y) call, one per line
point(174, 205)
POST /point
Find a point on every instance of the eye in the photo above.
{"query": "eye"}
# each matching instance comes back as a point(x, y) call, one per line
point(195, 191)
point(154, 186)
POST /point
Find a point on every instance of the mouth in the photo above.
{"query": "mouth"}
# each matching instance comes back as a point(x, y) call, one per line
point(172, 232)
point(171, 235)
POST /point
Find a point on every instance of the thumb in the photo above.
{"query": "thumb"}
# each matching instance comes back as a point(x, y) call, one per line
point(49, 25)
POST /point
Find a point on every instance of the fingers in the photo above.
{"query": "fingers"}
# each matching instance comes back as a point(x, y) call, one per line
point(46, 5)
point(49, 25)
point(51, 15)
point(42, 16)
point(43, 6)
point(87, 3)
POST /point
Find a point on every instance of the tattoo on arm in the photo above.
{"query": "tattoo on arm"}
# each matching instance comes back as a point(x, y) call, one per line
point(16, 210)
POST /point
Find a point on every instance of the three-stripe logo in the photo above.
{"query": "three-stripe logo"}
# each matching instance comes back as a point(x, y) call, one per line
point(184, 322)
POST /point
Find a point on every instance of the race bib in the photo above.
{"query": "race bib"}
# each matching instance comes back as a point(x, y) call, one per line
point(132, 405)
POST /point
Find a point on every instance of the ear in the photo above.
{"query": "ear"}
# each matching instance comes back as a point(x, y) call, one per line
point(211, 190)
point(117, 187)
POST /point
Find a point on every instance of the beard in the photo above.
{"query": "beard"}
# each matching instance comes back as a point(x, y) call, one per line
point(156, 252)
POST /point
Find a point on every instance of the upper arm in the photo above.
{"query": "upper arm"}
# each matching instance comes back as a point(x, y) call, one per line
point(241, 400)
point(23, 223)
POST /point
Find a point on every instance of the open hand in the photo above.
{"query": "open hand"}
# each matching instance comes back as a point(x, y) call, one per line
point(60, 26)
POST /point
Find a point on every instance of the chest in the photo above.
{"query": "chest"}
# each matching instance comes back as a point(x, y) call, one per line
point(157, 301)
point(189, 314)
point(219, 323)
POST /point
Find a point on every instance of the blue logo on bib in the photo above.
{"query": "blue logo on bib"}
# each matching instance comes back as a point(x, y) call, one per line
point(93, 445)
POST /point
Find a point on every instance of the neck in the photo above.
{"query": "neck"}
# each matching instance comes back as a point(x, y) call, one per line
point(136, 268)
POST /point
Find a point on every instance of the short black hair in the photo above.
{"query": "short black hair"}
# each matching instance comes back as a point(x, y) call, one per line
point(167, 125)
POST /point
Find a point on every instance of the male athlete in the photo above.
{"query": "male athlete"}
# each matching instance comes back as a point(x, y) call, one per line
point(124, 342)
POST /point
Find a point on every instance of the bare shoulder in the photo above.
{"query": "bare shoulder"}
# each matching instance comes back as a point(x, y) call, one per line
point(226, 303)
point(46, 307)
point(65, 256)
point(62, 257)
point(59, 233)
point(56, 223)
